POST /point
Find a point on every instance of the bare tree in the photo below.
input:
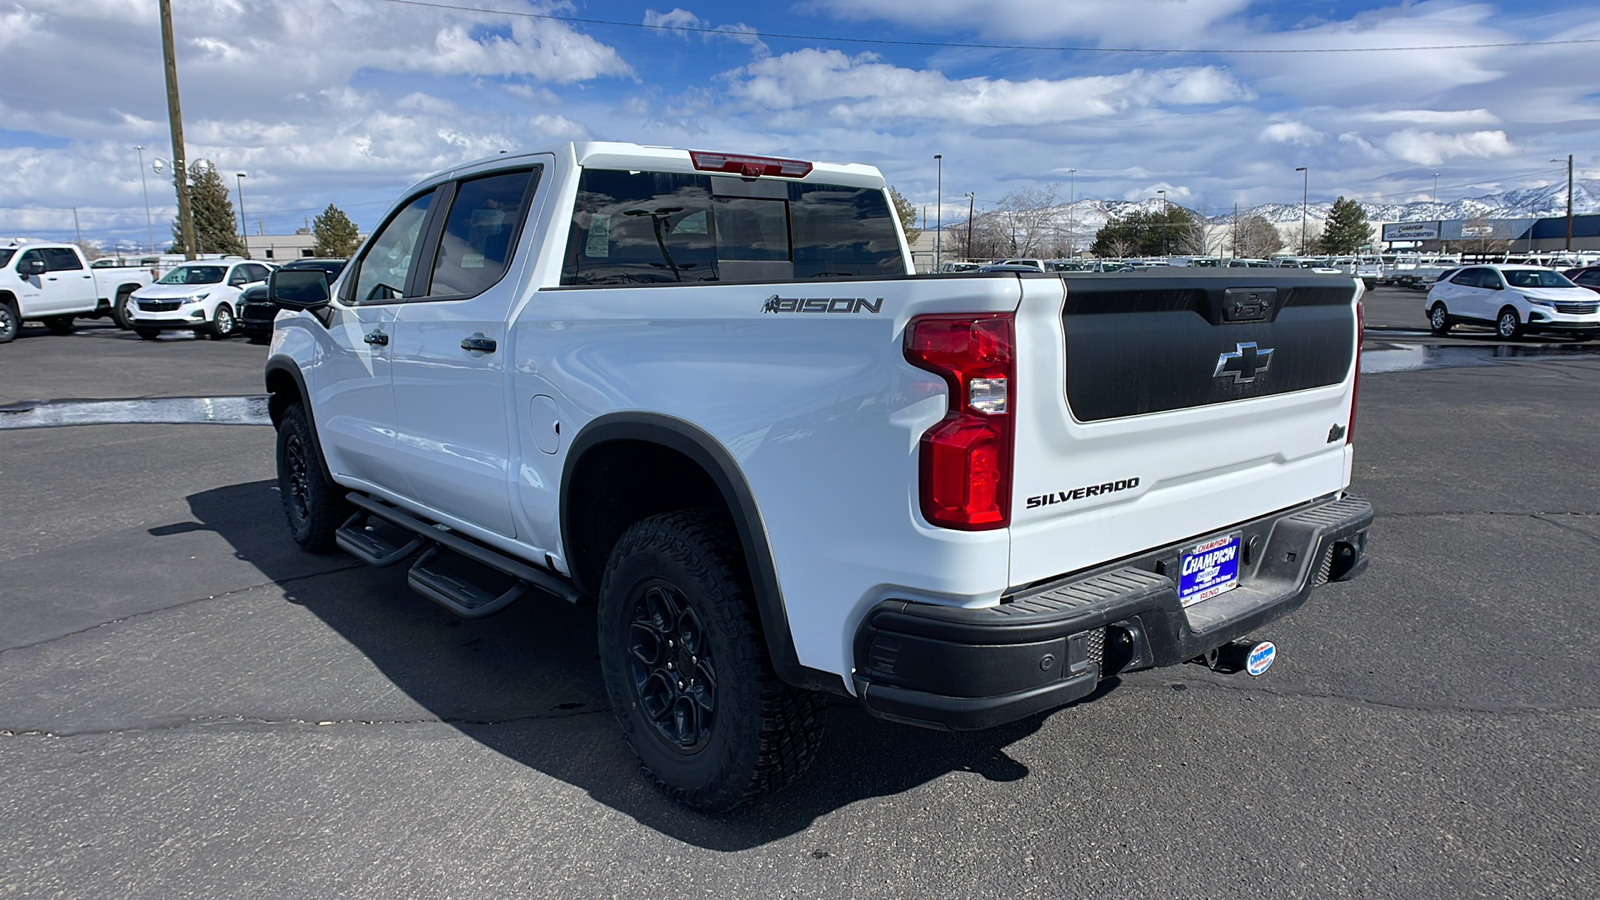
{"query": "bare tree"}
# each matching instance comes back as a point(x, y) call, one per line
point(1482, 237)
point(1302, 244)
point(1024, 221)
point(1256, 238)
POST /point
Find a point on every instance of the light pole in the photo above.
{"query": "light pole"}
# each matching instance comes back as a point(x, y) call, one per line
point(1072, 223)
point(1163, 224)
point(244, 224)
point(1569, 199)
point(970, 201)
point(938, 211)
point(149, 224)
point(1305, 193)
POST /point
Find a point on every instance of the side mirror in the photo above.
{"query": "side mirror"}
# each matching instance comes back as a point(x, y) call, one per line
point(32, 267)
point(298, 288)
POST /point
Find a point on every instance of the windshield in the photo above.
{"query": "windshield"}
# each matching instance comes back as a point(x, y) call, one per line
point(194, 275)
point(1536, 278)
point(6, 254)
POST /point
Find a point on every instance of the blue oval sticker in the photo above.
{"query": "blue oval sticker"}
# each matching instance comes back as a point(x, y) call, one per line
point(1260, 658)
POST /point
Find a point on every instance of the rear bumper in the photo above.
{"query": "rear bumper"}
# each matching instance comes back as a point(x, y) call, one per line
point(961, 669)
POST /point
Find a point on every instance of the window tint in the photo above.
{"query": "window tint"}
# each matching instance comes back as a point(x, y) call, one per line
point(1537, 278)
point(29, 256)
point(60, 259)
point(476, 243)
point(1590, 276)
point(386, 265)
point(1467, 277)
point(5, 255)
point(1490, 279)
point(191, 274)
point(655, 227)
point(238, 277)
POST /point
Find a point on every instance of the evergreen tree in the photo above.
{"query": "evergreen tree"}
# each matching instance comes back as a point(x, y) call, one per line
point(337, 236)
point(1347, 230)
point(1139, 233)
point(216, 228)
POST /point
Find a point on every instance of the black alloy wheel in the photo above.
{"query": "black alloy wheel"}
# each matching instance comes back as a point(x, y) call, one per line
point(314, 505)
point(671, 668)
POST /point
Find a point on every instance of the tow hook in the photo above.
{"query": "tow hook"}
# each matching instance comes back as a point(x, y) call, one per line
point(1254, 657)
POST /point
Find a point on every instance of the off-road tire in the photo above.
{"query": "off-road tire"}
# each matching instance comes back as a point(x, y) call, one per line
point(222, 324)
point(10, 322)
point(1439, 320)
point(762, 733)
point(148, 334)
point(1508, 325)
point(314, 505)
point(60, 324)
point(123, 311)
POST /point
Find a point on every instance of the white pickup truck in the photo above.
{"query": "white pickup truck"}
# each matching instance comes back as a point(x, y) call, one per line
point(54, 284)
point(704, 391)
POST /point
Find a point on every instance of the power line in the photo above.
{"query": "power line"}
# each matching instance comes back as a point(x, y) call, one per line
point(775, 35)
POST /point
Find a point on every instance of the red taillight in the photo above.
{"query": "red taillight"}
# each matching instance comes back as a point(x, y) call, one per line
point(749, 166)
point(965, 464)
point(1361, 334)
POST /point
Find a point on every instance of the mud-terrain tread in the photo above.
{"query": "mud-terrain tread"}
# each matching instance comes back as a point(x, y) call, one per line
point(786, 722)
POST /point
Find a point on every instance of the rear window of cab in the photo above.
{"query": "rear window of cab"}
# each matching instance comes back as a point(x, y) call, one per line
point(668, 228)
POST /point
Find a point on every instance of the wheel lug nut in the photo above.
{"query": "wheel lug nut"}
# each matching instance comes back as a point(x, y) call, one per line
point(669, 667)
point(680, 685)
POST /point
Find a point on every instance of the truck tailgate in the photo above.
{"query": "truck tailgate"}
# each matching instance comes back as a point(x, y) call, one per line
point(1154, 408)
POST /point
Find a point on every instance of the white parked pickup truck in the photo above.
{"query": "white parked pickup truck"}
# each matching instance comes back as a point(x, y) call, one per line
point(54, 284)
point(704, 391)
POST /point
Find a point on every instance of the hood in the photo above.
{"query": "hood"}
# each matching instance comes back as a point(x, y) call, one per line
point(1557, 293)
point(173, 291)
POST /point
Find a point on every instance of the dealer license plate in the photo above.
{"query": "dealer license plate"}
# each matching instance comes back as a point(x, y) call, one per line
point(1209, 569)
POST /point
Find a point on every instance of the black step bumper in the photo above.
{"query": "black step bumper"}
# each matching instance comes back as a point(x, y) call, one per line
point(961, 669)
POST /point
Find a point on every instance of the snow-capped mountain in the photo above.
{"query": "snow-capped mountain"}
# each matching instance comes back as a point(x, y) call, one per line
point(1087, 215)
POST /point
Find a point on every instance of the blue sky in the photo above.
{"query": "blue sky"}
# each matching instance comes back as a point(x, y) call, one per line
point(350, 101)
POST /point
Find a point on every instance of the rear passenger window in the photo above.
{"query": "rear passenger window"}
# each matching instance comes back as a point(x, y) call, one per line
point(480, 233)
point(1467, 278)
point(665, 228)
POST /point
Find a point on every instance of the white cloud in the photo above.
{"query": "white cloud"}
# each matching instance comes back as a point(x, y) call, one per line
point(1152, 23)
point(861, 88)
point(1427, 148)
point(1292, 133)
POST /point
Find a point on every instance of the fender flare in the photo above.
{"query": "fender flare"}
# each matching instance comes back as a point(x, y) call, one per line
point(706, 452)
point(275, 408)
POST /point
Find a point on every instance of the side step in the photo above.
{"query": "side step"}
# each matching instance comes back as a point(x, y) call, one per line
point(458, 573)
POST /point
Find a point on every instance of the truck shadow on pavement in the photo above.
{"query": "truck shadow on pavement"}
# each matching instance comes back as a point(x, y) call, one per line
point(526, 684)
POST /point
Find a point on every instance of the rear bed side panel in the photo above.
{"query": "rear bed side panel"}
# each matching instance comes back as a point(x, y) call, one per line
point(1085, 492)
point(821, 412)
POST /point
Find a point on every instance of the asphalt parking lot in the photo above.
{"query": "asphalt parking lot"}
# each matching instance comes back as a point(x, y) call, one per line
point(190, 707)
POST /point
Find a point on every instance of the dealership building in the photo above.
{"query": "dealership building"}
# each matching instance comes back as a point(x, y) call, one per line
point(1525, 235)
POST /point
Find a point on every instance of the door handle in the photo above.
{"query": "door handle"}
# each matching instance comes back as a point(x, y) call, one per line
point(486, 345)
point(377, 339)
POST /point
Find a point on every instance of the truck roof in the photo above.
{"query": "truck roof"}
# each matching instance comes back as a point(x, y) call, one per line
point(618, 155)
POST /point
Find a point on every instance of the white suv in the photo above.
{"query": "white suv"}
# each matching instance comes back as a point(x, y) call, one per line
point(1513, 300)
point(198, 296)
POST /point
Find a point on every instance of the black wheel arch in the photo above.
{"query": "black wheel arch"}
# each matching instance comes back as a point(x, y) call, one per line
point(286, 385)
point(719, 466)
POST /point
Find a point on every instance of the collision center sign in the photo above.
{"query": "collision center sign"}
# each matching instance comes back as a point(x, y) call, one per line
point(1411, 231)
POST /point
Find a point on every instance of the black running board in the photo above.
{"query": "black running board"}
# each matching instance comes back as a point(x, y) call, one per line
point(445, 571)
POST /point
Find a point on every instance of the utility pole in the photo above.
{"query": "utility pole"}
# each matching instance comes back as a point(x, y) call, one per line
point(1569, 201)
point(76, 229)
point(180, 168)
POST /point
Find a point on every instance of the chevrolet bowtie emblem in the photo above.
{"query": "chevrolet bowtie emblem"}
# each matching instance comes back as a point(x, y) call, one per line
point(1244, 362)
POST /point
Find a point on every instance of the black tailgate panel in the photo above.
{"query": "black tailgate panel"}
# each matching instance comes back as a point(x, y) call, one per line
point(1142, 343)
